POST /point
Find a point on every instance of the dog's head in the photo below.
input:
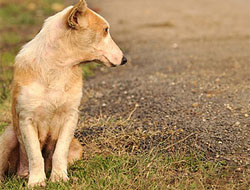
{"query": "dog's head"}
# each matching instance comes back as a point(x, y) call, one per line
point(90, 36)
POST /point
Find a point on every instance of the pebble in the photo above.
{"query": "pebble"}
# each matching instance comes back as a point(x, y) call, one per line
point(246, 115)
point(237, 123)
point(228, 107)
point(209, 95)
point(103, 69)
point(217, 80)
point(196, 104)
point(239, 169)
point(98, 95)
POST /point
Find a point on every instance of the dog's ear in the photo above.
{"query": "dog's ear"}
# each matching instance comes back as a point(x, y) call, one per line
point(74, 14)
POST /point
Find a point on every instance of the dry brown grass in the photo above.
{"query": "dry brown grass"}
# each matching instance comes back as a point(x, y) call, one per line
point(119, 154)
point(156, 155)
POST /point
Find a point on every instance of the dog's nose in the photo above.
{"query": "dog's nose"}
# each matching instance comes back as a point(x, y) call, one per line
point(124, 60)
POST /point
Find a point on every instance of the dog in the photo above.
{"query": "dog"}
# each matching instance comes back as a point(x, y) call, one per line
point(47, 90)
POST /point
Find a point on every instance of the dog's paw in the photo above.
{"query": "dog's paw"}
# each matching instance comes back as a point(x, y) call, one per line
point(37, 181)
point(58, 176)
point(37, 184)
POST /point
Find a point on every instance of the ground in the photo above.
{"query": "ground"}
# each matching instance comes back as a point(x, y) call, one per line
point(188, 70)
point(177, 116)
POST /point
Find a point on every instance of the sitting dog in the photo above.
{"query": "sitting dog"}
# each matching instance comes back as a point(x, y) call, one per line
point(47, 89)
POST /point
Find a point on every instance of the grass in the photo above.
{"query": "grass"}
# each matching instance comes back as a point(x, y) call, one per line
point(140, 172)
point(114, 159)
point(88, 69)
point(119, 155)
point(16, 14)
point(2, 126)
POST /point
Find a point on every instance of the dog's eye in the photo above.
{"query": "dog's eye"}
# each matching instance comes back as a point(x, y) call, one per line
point(106, 30)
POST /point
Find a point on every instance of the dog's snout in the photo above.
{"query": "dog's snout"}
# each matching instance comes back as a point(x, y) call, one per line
point(124, 60)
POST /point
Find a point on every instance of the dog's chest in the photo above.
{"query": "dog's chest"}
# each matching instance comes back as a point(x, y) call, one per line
point(48, 98)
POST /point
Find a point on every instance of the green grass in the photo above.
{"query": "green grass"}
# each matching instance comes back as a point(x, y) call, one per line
point(10, 38)
point(2, 126)
point(16, 14)
point(144, 171)
point(88, 69)
point(114, 159)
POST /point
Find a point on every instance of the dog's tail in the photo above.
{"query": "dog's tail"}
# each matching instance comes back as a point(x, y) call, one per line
point(75, 151)
point(8, 142)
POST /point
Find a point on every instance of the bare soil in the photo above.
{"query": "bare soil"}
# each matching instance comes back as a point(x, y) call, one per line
point(188, 71)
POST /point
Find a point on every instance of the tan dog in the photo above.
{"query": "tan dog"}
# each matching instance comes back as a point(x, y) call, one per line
point(47, 89)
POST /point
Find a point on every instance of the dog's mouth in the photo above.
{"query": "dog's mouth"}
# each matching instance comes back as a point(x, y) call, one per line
point(106, 62)
point(109, 64)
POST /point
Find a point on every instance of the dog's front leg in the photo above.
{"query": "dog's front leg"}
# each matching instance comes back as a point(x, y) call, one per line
point(60, 156)
point(32, 146)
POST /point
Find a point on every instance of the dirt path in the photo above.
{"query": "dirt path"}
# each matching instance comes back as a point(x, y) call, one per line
point(189, 70)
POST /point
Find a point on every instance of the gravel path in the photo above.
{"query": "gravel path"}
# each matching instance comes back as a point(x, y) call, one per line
point(189, 70)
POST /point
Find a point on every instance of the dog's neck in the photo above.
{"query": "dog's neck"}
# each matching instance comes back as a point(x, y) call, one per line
point(48, 46)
